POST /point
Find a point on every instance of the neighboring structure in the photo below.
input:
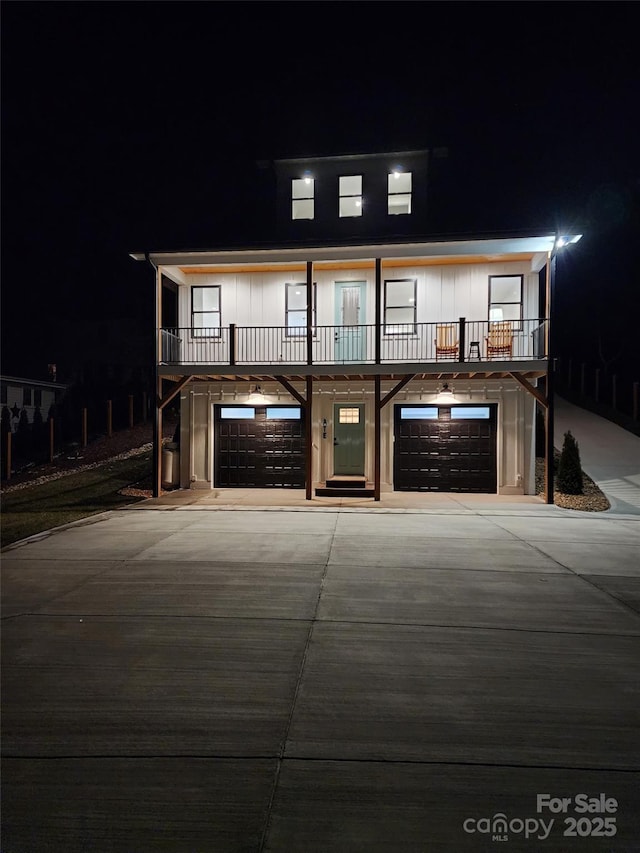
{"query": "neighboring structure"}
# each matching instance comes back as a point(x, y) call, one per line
point(356, 354)
point(17, 393)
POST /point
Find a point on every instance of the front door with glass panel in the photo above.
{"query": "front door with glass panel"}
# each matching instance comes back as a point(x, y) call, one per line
point(350, 313)
point(348, 439)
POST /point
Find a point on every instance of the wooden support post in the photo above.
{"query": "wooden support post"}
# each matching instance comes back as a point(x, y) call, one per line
point(157, 441)
point(130, 411)
point(84, 428)
point(51, 438)
point(308, 430)
point(109, 419)
point(377, 433)
point(548, 424)
point(636, 389)
point(8, 455)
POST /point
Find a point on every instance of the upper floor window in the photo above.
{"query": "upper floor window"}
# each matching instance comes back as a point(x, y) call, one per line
point(505, 298)
point(350, 195)
point(205, 311)
point(400, 306)
point(302, 198)
point(399, 192)
point(296, 307)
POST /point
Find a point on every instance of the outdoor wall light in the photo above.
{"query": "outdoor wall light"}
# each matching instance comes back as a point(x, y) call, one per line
point(445, 394)
point(256, 396)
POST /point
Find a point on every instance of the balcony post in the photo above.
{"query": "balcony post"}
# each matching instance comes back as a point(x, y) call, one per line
point(309, 313)
point(232, 343)
point(462, 336)
point(378, 315)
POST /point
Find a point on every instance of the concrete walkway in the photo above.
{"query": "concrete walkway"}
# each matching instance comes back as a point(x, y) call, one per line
point(322, 680)
point(609, 454)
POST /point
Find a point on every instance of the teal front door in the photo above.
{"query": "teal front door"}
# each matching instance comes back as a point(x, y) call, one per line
point(350, 333)
point(348, 439)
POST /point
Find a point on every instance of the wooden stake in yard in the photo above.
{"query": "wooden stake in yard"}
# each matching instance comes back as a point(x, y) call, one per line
point(8, 456)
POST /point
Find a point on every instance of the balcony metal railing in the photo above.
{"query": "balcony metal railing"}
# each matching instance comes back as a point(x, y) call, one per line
point(523, 340)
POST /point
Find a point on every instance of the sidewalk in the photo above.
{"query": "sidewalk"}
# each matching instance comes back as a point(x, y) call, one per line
point(609, 454)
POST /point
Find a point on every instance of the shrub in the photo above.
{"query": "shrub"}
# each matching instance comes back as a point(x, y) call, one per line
point(569, 480)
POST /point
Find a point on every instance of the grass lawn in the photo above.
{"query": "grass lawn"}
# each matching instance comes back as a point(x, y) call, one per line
point(40, 507)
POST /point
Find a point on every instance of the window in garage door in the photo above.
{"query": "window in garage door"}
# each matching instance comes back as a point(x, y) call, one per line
point(259, 447)
point(445, 449)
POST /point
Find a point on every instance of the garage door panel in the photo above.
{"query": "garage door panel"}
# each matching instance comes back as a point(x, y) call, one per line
point(445, 454)
point(259, 452)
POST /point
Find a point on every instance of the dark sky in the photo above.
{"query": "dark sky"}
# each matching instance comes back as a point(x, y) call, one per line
point(133, 126)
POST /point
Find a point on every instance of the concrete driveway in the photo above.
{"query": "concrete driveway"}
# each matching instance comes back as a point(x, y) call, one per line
point(330, 679)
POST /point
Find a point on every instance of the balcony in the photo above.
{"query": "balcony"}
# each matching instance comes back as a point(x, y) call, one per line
point(415, 343)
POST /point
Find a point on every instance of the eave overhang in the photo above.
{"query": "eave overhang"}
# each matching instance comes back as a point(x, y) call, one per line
point(495, 247)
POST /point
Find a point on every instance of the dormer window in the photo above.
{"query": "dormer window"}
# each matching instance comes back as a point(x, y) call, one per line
point(399, 192)
point(350, 196)
point(302, 197)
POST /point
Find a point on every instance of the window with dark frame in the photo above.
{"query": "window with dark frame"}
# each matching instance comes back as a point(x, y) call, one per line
point(400, 306)
point(399, 188)
point(303, 198)
point(505, 299)
point(37, 397)
point(295, 308)
point(206, 312)
point(350, 195)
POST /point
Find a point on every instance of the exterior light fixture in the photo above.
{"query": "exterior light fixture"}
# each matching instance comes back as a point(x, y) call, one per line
point(445, 394)
point(567, 240)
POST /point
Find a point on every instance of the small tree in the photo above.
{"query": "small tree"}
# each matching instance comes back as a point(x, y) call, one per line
point(569, 480)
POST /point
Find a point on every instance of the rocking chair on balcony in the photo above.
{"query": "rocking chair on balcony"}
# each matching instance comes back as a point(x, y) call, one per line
point(446, 341)
point(500, 340)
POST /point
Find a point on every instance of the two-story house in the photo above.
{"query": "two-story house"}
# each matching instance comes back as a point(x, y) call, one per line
point(357, 353)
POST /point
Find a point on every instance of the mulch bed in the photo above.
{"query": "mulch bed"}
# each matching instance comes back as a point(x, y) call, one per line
point(591, 500)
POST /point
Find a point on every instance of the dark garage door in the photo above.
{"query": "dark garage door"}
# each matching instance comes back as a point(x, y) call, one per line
point(445, 449)
point(259, 447)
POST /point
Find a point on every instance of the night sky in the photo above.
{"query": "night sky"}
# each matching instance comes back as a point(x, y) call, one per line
point(137, 126)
